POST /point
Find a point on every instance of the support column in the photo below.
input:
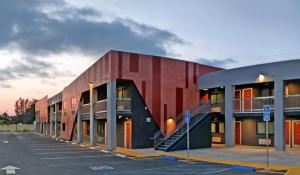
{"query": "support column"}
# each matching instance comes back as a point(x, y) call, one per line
point(279, 118)
point(92, 117)
point(79, 125)
point(229, 119)
point(55, 119)
point(111, 115)
point(51, 126)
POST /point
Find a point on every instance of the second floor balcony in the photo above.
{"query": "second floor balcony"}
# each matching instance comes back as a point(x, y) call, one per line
point(123, 105)
point(252, 105)
point(255, 105)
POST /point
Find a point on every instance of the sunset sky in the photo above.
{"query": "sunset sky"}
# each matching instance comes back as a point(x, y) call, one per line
point(44, 45)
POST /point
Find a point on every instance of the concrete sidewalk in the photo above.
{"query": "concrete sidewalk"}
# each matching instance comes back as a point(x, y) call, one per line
point(290, 157)
point(239, 155)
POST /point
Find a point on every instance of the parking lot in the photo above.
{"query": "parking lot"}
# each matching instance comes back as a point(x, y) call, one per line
point(34, 154)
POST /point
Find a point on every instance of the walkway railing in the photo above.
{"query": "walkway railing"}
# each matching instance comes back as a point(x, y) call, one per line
point(292, 102)
point(252, 104)
point(122, 105)
point(176, 123)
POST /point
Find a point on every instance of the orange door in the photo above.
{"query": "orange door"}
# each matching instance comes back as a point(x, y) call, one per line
point(296, 133)
point(247, 102)
point(238, 134)
point(287, 133)
point(127, 134)
point(237, 101)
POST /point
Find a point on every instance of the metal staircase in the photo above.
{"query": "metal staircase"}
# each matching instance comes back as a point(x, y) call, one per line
point(164, 140)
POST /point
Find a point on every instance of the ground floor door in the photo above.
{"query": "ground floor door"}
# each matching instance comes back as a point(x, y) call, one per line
point(296, 133)
point(238, 133)
point(127, 135)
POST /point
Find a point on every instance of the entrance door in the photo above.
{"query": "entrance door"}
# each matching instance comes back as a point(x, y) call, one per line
point(238, 133)
point(288, 133)
point(247, 100)
point(296, 133)
point(237, 101)
point(127, 135)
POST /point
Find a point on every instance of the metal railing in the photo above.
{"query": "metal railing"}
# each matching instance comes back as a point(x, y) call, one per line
point(179, 121)
point(292, 102)
point(122, 105)
point(252, 104)
point(101, 106)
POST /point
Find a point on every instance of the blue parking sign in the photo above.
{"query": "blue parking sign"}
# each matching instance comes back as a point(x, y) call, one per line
point(187, 116)
point(267, 112)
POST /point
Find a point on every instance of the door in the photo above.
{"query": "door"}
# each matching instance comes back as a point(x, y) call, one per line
point(127, 134)
point(296, 133)
point(238, 133)
point(288, 133)
point(247, 100)
point(237, 101)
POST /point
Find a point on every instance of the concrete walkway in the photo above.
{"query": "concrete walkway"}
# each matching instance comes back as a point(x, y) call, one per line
point(290, 157)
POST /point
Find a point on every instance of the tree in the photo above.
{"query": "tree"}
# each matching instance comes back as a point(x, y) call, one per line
point(25, 111)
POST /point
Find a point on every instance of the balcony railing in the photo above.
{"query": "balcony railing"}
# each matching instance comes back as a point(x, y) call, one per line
point(255, 104)
point(292, 102)
point(122, 105)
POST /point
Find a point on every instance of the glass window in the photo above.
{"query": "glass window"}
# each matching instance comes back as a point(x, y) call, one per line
point(213, 99)
point(213, 127)
point(261, 127)
point(65, 104)
point(73, 102)
point(216, 98)
point(122, 92)
point(221, 128)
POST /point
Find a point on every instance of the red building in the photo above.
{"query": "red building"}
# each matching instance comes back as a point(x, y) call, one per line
point(133, 96)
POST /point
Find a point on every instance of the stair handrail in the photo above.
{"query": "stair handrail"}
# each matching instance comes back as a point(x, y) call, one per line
point(160, 136)
point(183, 122)
point(200, 119)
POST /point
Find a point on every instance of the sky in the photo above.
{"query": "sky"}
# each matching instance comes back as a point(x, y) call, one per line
point(44, 45)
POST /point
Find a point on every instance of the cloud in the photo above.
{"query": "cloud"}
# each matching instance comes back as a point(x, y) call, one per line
point(223, 63)
point(51, 27)
point(29, 67)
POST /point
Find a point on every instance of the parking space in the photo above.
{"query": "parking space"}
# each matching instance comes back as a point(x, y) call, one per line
point(35, 154)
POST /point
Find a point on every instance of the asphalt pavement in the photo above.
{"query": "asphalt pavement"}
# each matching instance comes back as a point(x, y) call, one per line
point(31, 154)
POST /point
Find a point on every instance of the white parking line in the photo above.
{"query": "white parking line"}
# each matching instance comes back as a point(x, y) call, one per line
point(73, 152)
point(77, 157)
point(54, 149)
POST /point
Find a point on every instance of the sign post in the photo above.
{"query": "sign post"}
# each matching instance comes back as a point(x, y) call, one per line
point(266, 117)
point(187, 120)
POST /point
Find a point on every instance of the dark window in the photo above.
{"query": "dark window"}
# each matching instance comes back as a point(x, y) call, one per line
point(261, 127)
point(134, 63)
point(63, 126)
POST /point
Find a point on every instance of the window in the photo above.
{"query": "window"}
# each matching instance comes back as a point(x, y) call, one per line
point(216, 98)
point(122, 92)
point(73, 102)
point(221, 128)
point(213, 127)
point(217, 127)
point(65, 104)
point(101, 129)
point(261, 127)
point(63, 126)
